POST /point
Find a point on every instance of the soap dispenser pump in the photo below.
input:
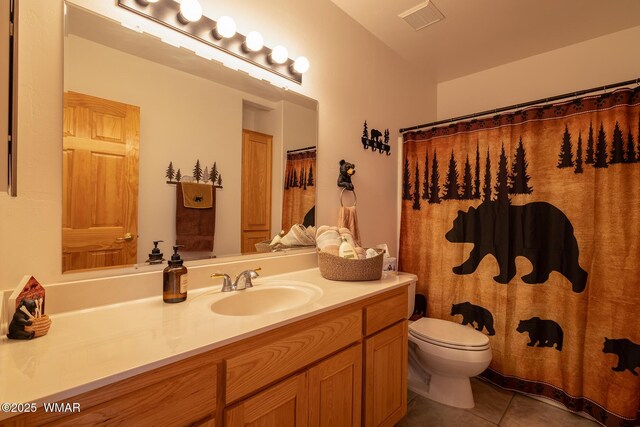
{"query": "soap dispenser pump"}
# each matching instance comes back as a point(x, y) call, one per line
point(155, 257)
point(174, 283)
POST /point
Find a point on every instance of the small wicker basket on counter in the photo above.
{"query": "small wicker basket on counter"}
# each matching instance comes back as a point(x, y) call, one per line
point(333, 267)
point(39, 325)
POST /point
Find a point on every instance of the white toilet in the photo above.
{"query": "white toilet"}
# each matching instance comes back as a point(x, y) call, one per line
point(443, 356)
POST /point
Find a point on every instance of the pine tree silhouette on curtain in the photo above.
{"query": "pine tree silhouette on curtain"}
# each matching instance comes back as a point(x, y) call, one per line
point(565, 158)
point(467, 181)
point(303, 184)
point(518, 178)
point(286, 180)
point(578, 168)
point(601, 150)
point(310, 182)
point(638, 138)
point(590, 142)
point(406, 185)
point(631, 149)
point(416, 190)
point(502, 179)
point(294, 182)
point(302, 177)
point(617, 146)
point(425, 182)
point(486, 188)
point(476, 182)
point(451, 186)
point(434, 188)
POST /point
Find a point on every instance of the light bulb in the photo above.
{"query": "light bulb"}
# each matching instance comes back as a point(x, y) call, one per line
point(279, 54)
point(254, 41)
point(226, 27)
point(190, 11)
point(301, 65)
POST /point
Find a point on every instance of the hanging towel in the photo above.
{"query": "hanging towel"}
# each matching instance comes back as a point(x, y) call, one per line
point(197, 196)
point(348, 218)
point(195, 226)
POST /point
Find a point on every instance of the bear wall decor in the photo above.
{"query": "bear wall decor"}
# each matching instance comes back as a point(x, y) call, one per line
point(347, 170)
point(374, 140)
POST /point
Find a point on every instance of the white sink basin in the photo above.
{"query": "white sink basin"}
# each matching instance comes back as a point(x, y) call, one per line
point(266, 298)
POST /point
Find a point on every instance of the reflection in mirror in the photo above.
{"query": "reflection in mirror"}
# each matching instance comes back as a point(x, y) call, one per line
point(141, 115)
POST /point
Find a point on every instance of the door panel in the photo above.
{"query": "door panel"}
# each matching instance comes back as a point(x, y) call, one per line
point(100, 182)
point(256, 187)
point(335, 390)
point(282, 405)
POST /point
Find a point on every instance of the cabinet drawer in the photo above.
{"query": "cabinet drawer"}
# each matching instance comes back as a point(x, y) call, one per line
point(188, 399)
point(384, 313)
point(266, 364)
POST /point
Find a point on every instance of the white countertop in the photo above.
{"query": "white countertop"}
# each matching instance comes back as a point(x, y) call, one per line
point(91, 348)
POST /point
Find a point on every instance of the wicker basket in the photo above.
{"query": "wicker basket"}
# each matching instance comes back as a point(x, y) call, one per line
point(350, 270)
point(39, 325)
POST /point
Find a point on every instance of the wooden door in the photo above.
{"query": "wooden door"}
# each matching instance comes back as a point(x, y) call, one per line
point(282, 405)
point(335, 390)
point(256, 189)
point(100, 183)
point(386, 376)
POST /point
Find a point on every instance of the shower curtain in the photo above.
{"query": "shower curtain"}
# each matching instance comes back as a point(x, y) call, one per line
point(526, 226)
point(299, 197)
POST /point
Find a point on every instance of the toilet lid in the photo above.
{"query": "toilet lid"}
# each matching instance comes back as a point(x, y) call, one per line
point(448, 334)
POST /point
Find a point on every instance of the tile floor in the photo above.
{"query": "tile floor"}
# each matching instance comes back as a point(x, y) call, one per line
point(494, 407)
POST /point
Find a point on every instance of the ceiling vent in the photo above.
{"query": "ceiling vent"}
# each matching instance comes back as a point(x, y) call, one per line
point(422, 15)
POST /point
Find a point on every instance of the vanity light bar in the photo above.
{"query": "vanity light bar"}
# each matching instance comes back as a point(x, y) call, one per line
point(206, 30)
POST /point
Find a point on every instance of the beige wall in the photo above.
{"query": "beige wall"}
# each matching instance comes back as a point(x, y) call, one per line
point(353, 75)
point(597, 62)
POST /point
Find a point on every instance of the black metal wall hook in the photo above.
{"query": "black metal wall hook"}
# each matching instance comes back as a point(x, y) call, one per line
point(374, 140)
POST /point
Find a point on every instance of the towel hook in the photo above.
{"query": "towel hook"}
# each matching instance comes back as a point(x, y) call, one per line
point(355, 198)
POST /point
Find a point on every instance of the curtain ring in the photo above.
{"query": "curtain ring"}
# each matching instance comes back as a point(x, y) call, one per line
point(355, 198)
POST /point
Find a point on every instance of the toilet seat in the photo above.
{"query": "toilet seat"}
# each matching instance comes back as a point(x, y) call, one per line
point(448, 334)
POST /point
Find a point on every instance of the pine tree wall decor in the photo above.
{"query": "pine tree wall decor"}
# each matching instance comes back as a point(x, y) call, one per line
point(374, 140)
point(207, 176)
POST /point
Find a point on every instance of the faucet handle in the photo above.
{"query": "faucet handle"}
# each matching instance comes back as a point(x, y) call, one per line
point(247, 275)
point(227, 286)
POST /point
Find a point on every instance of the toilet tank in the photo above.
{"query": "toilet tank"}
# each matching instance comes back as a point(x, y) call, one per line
point(412, 299)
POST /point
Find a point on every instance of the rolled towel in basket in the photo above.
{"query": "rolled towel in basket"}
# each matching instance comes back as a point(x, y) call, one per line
point(298, 236)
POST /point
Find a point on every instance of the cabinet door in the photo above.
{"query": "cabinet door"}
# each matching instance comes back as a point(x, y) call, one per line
point(282, 405)
point(386, 376)
point(335, 390)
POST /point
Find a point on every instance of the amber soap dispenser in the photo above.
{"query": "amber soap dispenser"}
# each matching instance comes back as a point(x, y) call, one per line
point(174, 280)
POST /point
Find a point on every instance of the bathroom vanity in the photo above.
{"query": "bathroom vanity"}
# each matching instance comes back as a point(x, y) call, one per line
point(336, 354)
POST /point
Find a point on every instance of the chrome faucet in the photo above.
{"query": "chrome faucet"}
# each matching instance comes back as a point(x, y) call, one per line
point(243, 278)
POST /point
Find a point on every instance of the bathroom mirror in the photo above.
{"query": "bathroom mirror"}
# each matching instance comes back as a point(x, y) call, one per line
point(142, 114)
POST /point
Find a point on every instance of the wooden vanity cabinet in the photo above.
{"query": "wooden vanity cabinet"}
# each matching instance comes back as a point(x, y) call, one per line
point(385, 361)
point(343, 367)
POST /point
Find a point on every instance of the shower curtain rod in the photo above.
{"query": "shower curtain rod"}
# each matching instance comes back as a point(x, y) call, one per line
point(526, 104)
point(312, 148)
